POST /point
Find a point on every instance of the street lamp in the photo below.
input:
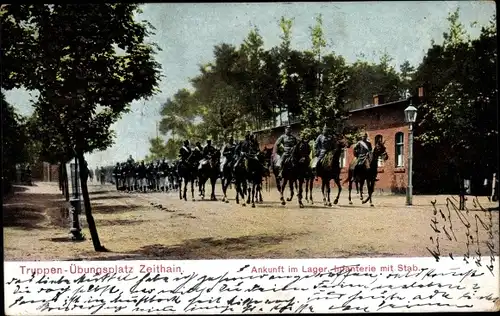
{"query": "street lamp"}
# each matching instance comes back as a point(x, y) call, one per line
point(410, 118)
point(75, 207)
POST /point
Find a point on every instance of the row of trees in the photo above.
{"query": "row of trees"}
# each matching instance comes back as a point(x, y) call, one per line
point(249, 87)
point(88, 63)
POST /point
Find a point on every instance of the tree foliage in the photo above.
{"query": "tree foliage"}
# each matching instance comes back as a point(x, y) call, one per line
point(88, 62)
point(460, 109)
point(14, 138)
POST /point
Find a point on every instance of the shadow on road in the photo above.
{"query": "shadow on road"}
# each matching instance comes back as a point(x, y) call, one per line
point(206, 248)
point(33, 210)
point(25, 217)
point(114, 209)
point(108, 197)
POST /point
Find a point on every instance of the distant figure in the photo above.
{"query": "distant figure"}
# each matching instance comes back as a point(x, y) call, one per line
point(97, 175)
point(28, 175)
point(103, 175)
point(91, 175)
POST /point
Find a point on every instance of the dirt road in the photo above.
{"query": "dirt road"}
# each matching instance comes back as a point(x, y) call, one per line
point(134, 226)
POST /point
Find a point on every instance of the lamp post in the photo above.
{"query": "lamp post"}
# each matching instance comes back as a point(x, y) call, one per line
point(410, 118)
point(75, 207)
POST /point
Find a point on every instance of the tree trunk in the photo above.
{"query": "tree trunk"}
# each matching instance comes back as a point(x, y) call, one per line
point(61, 177)
point(86, 203)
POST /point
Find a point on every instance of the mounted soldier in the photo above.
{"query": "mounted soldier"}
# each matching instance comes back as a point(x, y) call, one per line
point(130, 159)
point(324, 143)
point(243, 148)
point(209, 150)
point(185, 151)
point(254, 144)
point(288, 141)
point(197, 154)
point(361, 150)
point(228, 153)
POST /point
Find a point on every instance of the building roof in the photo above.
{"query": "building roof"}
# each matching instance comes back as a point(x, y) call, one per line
point(373, 106)
point(364, 108)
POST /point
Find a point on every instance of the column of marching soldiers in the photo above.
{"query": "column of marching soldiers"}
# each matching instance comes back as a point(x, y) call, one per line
point(161, 175)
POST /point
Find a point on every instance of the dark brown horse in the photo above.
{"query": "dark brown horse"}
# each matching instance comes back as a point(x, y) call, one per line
point(329, 169)
point(210, 170)
point(367, 172)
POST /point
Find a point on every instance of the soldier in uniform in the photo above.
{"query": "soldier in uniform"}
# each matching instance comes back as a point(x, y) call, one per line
point(323, 144)
point(142, 176)
point(242, 148)
point(209, 150)
point(228, 153)
point(197, 154)
point(103, 175)
point(288, 141)
point(130, 159)
point(361, 150)
point(163, 173)
point(116, 175)
point(185, 151)
point(254, 144)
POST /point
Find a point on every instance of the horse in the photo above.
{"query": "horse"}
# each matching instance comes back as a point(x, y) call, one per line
point(264, 157)
point(276, 171)
point(255, 170)
point(302, 169)
point(226, 174)
point(367, 172)
point(288, 175)
point(210, 169)
point(329, 169)
point(239, 173)
point(187, 174)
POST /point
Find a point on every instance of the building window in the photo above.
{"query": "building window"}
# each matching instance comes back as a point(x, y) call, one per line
point(399, 149)
point(343, 158)
point(379, 139)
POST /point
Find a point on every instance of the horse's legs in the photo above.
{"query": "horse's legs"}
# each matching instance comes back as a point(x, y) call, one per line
point(192, 190)
point(361, 183)
point(185, 188)
point(291, 185)
point(328, 193)
point(283, 186)
point(337, 182)
point(243, 191)
point(213, 180)
point(350, 179)
point(278, 183)
point(311, 184)
point(370, 184)
point(180, 191)
point(323, 187)
point(254, 192)
point(237, 187)
point(260, 192)
point(299, 194)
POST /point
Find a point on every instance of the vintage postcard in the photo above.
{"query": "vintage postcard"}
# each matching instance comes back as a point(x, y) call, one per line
point(206, 158)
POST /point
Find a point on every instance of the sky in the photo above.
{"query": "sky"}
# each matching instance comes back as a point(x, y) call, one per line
point(187, 33)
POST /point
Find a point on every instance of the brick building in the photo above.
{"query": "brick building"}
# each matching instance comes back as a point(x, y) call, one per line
point(380, 120)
